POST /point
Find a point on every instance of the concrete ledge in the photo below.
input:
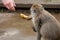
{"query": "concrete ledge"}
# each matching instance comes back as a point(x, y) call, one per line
point(29, 5)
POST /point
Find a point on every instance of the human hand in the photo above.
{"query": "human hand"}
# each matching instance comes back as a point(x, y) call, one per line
point(10, 4)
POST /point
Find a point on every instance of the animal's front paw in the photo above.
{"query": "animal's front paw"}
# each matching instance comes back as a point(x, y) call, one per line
point(33, 29)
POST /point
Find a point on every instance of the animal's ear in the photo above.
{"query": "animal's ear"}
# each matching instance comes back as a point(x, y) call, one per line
point(41, 7)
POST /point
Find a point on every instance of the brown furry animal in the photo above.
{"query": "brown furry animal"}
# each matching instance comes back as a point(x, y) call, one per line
point(45, 24)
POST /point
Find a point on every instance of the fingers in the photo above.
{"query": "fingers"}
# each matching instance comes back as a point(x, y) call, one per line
point(10, 4)
point(14, 4)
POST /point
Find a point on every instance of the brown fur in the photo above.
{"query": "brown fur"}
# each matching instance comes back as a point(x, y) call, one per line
point(45, 24)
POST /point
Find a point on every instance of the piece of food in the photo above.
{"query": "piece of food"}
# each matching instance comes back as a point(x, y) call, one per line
point(25, 16)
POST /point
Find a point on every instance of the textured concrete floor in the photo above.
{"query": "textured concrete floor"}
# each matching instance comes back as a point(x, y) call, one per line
point(13, 27)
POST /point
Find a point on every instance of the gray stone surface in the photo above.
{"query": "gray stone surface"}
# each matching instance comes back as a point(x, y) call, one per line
point(13, 27)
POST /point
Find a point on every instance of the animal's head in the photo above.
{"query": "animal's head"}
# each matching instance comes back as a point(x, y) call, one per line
point(36, 8)
point(35, 12)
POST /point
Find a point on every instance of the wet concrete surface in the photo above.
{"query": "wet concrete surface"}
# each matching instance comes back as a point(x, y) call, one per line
point(13, 27)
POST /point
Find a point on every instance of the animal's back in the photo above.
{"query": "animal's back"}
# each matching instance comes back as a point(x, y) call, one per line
point(50, 26)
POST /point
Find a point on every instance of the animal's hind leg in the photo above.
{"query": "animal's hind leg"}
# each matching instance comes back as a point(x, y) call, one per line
point(38, 36)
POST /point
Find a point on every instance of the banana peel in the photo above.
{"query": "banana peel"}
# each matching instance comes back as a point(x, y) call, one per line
point(25, 16)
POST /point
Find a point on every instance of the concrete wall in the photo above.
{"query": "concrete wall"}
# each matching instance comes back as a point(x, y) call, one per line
point(38, 1)
point(46, 3)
